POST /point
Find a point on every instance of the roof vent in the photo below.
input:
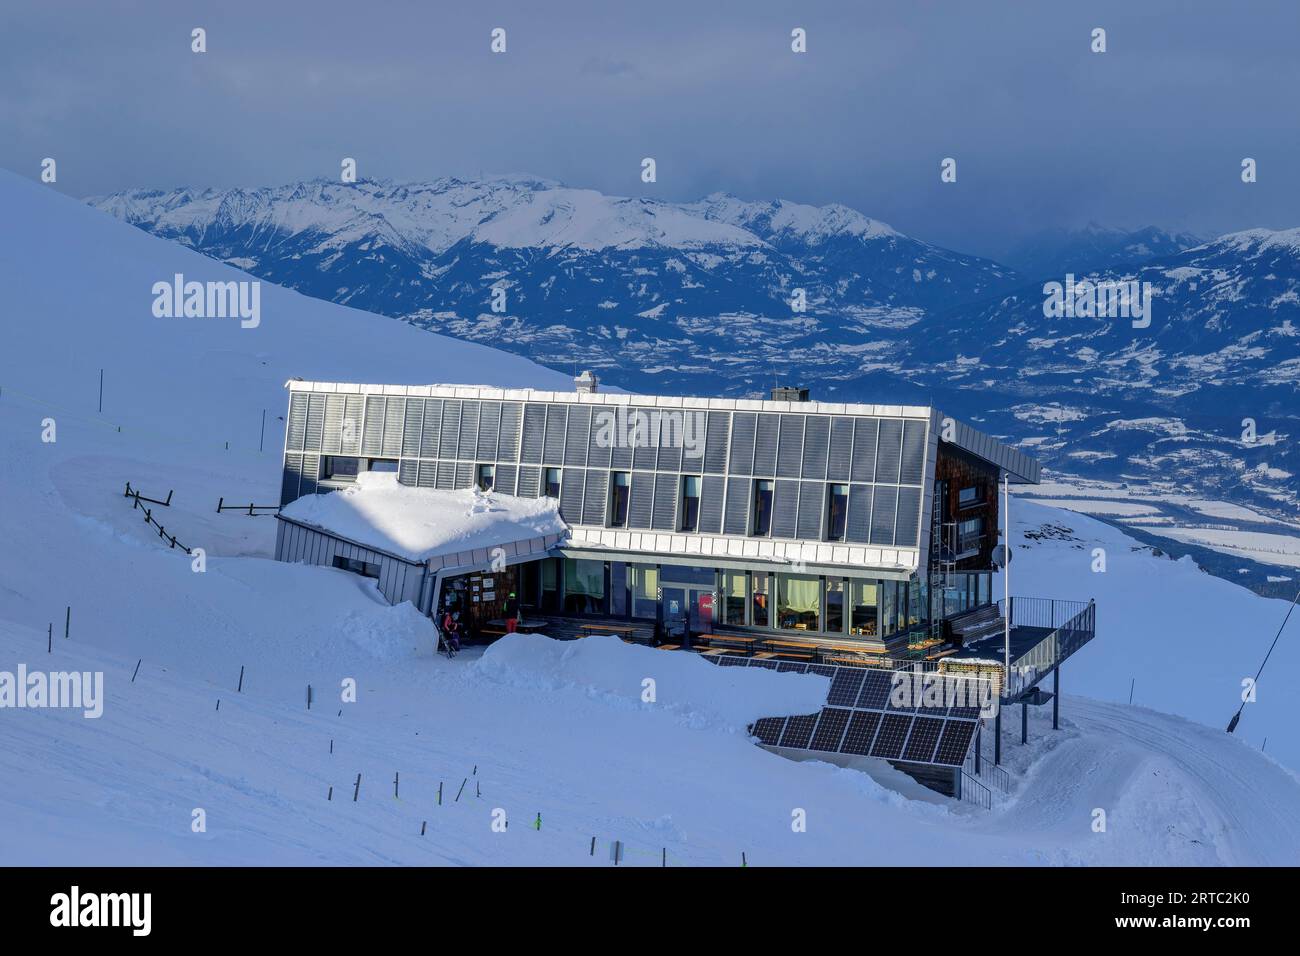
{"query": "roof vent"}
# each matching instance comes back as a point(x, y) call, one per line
point(586, 382)
point(788, 393)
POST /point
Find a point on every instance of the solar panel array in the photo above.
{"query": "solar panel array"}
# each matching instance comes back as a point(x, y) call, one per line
point(861, 719)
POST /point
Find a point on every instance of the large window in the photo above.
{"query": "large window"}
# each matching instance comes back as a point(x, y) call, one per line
point(644, 581)
point(335, 468)
point(486, 476)
point(969, 535)
point(837, 511)
point(619, 487)
point(552, 489)
point(735, 591)
point(690, 503)
point(968, 497)
point(363, 568)
point(835, 605)
point(551, 584)
point(584, 586)
point(762, 599)
point(762, 523)
point(864, 600)
point(798, 602)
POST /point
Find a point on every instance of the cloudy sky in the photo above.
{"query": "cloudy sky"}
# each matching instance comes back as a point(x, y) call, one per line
point(1046, 133)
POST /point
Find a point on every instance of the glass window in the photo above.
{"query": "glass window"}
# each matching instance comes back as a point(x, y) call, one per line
point(761, 599)
point(835, 605)
point(798, 602)
point(837, 511)
point(644, 581)
point(618, 589)
point(863, 617)
point(584, 586)
point(334, 468)
point(968, 496)
point(690, 503)
point(383, 465)
point(486, 476)
point(552, 483)
point(889, 607)
point(735, 590)
point(762, 523)
point(363, 568)
point(550, 584)
point(619, 486)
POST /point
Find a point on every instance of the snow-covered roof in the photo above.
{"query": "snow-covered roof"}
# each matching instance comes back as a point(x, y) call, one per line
point(422, 523)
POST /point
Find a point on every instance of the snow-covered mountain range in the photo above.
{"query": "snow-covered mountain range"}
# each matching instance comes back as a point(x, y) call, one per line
point(691, 298)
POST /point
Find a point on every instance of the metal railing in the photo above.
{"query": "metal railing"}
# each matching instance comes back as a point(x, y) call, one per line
point(972, 791)
point(1048, 613)
point(1045, 656)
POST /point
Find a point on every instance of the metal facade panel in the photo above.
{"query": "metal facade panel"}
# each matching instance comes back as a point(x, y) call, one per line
point(411, 430)
point(889, 450)
point(296, 432)
point(840, 460)
point(913, 469)
point(865, 431)
point(408, 472)
point(394, 417)
point(671, 438)
point(711, 494)
point(882, 515)
point(530, 482)
point(577, 437)
point(908, 521)
point(315, 423)
point(790, 454)
point(571, 495)
point(812, 496)
point(432, 428)
point(620, 455)
point(335, 405)
point(715, 444)
point(534, 433)
point(736, 518)
point(504, 481)
point(765, 441)
point(645, 445)
point(508, 435)
point(593, 498)
point(816, 446)
point(641, 503)
point(310, 472)
point(604, 433)
point(290, 479)
point(428, 474)
point(858, 520)
point(691, 438)
point(446, 478)
point(556, 423)
point(464, 475)
point(785, 509)
point(372, 435)
point(741, 458)
point(489, 429)
point(449, 440)
point(665, 507)
point(469, 415)
point(354, 410)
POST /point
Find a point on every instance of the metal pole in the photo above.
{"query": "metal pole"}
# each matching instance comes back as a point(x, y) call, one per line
point(1024, 722)
point(997, 738)
point(1056, 698)
point(101, 389)
point(1006, 585)
point(261, 439)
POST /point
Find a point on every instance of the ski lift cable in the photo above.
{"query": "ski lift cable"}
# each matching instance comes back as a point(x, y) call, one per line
point(1232, 724)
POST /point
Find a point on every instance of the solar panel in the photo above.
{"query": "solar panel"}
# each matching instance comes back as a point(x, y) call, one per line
point(768, 730)
point(767, 664)
point(862, 731)
point(955, 742)
point(875, 690)
point(892, 735)
point(925, 737)
point(730, 660)
point(830, 729)
point(795, 666)
point(823, 670)
point(799, 730)
point(845, 686)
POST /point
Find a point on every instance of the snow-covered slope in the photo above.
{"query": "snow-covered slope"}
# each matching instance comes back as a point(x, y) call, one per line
point(563, 731)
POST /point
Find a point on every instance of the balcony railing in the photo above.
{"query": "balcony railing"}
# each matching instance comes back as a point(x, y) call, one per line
point(1069, 625)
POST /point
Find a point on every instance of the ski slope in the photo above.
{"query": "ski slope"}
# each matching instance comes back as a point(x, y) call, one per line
point(529, 726)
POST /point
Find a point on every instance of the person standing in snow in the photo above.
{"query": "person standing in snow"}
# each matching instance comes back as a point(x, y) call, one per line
point(512, 613)
point(451, 632)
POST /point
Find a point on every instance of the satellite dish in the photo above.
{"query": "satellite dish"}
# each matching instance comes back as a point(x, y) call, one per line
point(1002, 557)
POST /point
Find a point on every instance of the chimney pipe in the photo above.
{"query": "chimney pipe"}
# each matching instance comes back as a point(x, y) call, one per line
point(586, 382)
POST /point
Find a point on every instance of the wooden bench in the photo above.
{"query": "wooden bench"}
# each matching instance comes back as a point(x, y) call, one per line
point(793, 655)
point(623, 630)
point(719, 651)
point(802, 645)
point(670, 647)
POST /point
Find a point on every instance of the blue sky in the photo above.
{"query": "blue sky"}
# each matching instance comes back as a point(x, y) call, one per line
point(1046, 133)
